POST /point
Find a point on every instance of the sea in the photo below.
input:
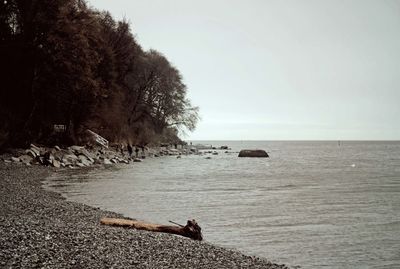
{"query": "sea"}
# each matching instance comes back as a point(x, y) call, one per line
point(311, 204)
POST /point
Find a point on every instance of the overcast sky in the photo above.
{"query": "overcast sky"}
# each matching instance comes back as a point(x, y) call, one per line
point(279, 69)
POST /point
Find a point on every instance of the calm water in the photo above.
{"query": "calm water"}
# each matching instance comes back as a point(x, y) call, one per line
point(313, 204)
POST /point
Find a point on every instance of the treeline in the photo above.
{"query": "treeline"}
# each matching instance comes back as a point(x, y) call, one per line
point(64, 63)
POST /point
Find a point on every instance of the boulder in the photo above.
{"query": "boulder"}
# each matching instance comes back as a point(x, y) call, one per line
point(57, 164)
point(85, 161)
point(258, 153)
point(58, 155)
point(48, 158)
point(78, 150)
point(107, 161)
point(15, 159)
point(69, 159)
point(26, 159)
point(31, 153)
point(35, 149)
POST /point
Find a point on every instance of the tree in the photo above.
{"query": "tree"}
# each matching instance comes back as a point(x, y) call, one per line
point(68, 64)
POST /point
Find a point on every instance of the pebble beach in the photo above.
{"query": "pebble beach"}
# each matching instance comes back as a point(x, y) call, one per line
point(40, 229)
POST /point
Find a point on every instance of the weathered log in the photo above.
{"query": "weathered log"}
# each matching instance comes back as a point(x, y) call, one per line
point(191, 230)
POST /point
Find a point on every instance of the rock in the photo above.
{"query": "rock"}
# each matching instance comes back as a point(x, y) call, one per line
point(85, 161)
point(114, 161)
point(80, 164)
point(41, 160)
point(215, 153)
point(107, 161)
point(57, 148)
point(7, 161)
point(259, 153)
point(25, 159)
point(48, 158)
point(179, 156)
point(58, 155)
point(35, 149)
point(78, 150)
point(137, 160)
point(31, 153)
point(69, 159)
point(208, 158)
point(57, 164)
point(15, 159)
point(173, 152)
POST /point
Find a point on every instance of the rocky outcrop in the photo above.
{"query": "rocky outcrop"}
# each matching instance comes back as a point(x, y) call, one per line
point(79, 156)
point(73, 156)
point(258, 153)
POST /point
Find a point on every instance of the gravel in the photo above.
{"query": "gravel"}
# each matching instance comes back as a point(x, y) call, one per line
point(40, 229)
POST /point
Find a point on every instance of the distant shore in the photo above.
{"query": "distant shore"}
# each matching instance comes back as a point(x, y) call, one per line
point(40, 228)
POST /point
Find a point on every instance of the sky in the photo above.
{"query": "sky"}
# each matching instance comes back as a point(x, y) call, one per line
point(279, 69)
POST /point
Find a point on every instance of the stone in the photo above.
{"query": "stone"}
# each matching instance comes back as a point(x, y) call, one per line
point(76, 148)
point(41, 160)
point(257, 153)
point(114, 161)
point(57, 148)
point(31, 153)
point(208, 158)
point(107, 161)
point(35, 149)
point(48, 158)
point(25, 159)
point(85, 161)
point(58, 155)
point(137, 160)
point(56, 164)
point(69, 159)
point(15, 159)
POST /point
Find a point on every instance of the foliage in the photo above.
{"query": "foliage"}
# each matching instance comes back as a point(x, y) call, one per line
point(66, 63)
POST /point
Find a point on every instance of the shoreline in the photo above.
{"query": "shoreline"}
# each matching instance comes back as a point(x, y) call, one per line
point(40, 228)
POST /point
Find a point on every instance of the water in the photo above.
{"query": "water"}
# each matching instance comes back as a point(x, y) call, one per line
point(312, 204)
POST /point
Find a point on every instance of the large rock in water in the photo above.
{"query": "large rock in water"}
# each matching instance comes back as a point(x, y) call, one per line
point(259, 153)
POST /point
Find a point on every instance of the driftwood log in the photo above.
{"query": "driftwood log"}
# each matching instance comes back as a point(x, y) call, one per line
point(191, 229)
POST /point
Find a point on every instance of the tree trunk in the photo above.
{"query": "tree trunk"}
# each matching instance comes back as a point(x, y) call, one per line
point(191, 230)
